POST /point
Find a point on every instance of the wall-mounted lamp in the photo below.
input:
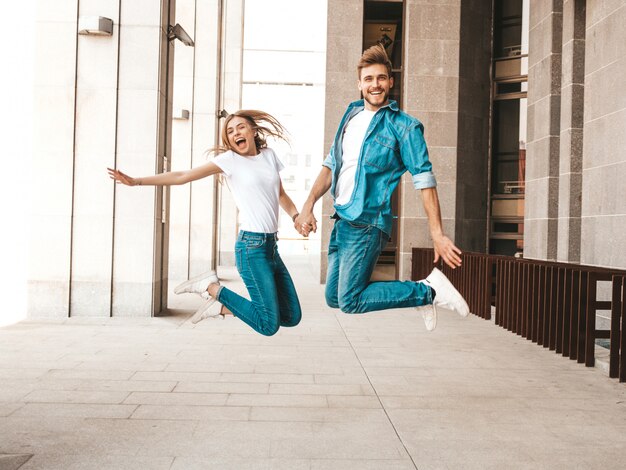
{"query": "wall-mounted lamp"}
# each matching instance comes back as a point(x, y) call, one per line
point(177, 32)
point(180, 114)
point(95, 26)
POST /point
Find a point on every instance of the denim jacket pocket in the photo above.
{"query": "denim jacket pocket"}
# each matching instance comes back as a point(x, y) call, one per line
point(381, 153)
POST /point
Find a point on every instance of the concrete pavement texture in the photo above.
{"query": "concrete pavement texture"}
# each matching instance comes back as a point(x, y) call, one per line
point(337, 392)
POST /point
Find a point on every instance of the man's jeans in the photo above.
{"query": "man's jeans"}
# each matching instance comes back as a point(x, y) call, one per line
point(273, 299)
point(352, 254)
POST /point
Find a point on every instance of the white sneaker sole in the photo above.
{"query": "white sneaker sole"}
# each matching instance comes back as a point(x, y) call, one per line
point(458, 299)
point(183, 286)
point(455, 295)
point(203, 312)
point(433, 315)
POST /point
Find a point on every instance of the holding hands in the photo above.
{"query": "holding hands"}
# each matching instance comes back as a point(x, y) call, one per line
point(305, 223)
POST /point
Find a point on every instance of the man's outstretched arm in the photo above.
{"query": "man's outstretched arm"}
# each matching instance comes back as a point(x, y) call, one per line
point(444, 247)
point(306, 221)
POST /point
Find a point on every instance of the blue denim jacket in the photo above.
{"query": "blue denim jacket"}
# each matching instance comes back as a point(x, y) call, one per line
point(394, 143)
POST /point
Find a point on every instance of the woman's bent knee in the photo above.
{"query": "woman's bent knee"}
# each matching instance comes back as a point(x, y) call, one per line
point(269, 330)
point(293, 321)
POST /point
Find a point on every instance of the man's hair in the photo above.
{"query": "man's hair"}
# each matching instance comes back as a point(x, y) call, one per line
point(374, 55)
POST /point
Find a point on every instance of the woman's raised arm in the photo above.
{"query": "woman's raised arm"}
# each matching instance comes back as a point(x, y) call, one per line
point(170, 178)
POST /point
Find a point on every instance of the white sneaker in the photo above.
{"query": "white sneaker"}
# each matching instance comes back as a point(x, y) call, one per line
point(445, 296)
point(429, 314)
point(198, 284)
point(205, 311)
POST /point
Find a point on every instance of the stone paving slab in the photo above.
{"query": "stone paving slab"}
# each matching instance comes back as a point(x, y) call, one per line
point(338, 392)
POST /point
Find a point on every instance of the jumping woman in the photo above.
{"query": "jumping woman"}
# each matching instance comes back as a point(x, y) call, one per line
point(251, 170)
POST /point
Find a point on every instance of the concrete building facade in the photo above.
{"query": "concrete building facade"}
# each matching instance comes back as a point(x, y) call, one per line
point(101, 250)
point(571, 77)
point(97, 249)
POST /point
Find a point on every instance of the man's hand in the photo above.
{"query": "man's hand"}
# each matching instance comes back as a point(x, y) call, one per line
point(444, 247)
point(448, 251)
point(305, 223)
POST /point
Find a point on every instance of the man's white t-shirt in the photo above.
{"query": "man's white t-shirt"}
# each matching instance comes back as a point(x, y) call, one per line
point(351, 148)
point(255, 185)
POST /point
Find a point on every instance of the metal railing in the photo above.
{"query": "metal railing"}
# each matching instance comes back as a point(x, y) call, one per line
point(551, 304)
point(617, 362)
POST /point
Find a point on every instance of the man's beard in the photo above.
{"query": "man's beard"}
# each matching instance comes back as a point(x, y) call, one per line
point(384, 95)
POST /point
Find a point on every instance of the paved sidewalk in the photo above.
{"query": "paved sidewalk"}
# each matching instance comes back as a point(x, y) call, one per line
point(342, 392)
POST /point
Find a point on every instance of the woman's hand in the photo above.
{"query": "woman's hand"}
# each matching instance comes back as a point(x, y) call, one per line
point(123, 178)
point(305, 223)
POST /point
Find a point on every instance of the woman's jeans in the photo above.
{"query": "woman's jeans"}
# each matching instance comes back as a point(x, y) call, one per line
point(273, 299)
point(352, 254)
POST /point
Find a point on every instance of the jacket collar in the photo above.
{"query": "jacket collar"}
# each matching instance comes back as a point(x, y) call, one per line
point(391, 104)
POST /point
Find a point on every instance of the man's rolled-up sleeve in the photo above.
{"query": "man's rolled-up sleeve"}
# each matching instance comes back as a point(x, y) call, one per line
point(414, 155)
point(329, 161)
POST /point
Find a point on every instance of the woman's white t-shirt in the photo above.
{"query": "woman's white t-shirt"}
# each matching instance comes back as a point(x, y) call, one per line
point(255, 185)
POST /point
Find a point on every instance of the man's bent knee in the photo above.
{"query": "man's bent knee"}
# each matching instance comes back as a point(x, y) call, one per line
point(331, 300)
point(349, 306)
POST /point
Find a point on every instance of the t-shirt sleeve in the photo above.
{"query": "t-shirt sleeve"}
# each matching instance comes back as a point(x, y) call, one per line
point(277, 163)
point(225, 162)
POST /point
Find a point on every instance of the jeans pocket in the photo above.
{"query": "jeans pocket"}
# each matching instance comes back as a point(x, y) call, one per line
point(254, 242)
point(238, 262)
point(358, 226)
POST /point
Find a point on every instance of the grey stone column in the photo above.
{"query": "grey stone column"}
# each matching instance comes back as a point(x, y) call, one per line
point(97, 74)
point(344, 47)
point(544, 117)
point(474, 90)
point(232, 72)
point(143, 140)
point(571, 137)
point(185, 137)
point(98, 249)
point(603, 225)
point(50, 214)
point(204, 84)
point(431, 94)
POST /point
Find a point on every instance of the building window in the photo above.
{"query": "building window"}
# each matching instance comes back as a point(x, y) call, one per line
point(382, 24)
point(508, 130)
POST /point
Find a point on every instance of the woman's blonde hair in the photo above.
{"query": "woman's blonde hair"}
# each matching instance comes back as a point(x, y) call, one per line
point(263, 124)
